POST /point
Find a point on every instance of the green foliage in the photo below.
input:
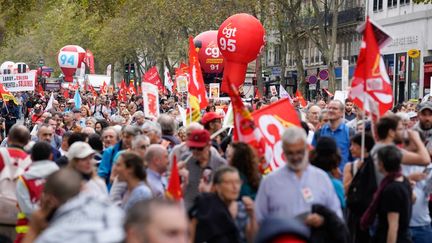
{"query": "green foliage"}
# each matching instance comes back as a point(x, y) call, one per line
point(152, 32)
point(423, 1)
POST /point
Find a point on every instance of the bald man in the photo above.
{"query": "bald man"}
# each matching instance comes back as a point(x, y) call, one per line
point(156, 158)
point(313, 114)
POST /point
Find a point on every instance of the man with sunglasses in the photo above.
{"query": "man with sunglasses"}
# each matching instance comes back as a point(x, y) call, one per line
point(203, 157)
point(292, 190)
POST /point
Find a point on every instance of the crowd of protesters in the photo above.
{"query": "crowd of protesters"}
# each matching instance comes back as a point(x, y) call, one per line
point(100, 173)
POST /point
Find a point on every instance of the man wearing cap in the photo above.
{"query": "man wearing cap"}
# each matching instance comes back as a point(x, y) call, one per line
point(202, 158)
point(70, 105)
point(128, 133)
point(212, 122)
point(424, 124)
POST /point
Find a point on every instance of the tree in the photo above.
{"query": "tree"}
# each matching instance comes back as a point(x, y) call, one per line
point(287, 20)
point(318, 32)
point(423, 1)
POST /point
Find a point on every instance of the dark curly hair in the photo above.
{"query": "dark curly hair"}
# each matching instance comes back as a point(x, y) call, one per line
point(246, 161)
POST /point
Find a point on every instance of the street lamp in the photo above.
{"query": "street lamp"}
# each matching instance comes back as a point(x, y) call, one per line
point(41, 64)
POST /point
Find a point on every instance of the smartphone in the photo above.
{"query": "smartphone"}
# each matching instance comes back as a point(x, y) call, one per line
point(427, 170)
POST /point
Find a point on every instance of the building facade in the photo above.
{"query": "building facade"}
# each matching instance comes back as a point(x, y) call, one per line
point(408, 57)
point(351, 14)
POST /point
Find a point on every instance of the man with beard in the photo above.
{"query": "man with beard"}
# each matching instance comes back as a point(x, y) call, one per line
point(424, 125)
point(349, 113)
point(292, 190)
point(390, 131)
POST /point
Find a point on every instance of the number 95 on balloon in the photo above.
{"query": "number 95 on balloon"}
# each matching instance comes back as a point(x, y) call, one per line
point(68, 59)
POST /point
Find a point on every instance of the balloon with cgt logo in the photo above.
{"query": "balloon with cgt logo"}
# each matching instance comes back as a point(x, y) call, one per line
point(70, 58)
point(209, 55)
point(241, 38)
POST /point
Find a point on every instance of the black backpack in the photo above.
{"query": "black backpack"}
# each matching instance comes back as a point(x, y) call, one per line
point(362, 188)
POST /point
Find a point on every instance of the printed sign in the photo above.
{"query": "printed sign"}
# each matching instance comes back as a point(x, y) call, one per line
point(214, 90)
point(151, 99)
point(19, 82)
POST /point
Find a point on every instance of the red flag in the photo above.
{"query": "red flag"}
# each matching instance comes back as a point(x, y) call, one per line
point(301, 98)
point(257, 93)
point(6, 95)
point(93, 91)
point(371, 88)
point(103, 89)
point(271, 120)
point(66, 93)
point(89, 60)
point(196, 84)
point(152, 76)
point(244, 126)
point(39, 89)
point(328, 92)
point(132, 89)
point(174, 190)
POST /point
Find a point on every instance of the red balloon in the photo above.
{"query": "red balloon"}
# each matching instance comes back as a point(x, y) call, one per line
point(241, 38)
point(209, 55)
point(69, 59)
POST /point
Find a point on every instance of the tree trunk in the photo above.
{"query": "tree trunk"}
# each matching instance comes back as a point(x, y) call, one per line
point(260, 81)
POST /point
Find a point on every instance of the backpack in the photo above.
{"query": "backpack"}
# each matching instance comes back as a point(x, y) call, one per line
point(363, 186)
point(13, 168)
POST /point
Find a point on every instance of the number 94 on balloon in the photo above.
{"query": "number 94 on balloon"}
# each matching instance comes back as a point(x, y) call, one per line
point(68, 59)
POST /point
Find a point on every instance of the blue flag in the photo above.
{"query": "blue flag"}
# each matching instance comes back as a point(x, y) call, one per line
point(77, 99)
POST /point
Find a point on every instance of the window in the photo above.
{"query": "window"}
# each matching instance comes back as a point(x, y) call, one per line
point(392, 3)
point(378, 5)
point(405, 2)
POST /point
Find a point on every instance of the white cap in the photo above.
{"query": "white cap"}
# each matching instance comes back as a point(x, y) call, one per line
point(412, 114)
point(79, 150)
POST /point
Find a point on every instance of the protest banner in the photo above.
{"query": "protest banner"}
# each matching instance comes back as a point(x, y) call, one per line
point(214, 90)
point(151, 99)
point(19, 82)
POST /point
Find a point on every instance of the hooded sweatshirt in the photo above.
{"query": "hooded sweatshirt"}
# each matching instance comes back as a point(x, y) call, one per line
point(37, 170)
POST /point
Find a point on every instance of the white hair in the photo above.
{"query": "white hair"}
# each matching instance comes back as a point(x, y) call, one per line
point(138, 139)
point(194, 126)
point(403, 116)
point(294, 134)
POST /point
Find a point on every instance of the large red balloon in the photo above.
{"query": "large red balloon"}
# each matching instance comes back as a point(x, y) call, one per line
point(241, 38)
point(69, 59)
point(209, 55)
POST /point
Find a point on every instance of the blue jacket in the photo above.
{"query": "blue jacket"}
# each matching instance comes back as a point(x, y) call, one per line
point(106, 163)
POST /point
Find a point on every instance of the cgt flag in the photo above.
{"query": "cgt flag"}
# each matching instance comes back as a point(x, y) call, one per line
point(244, 126)
point(371, 88)
point(196, 85)
point(6, 95)
point(152, 76)
point(272, 121)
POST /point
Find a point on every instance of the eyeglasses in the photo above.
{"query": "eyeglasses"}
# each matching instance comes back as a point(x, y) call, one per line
point(197, 148)
point(144, 146)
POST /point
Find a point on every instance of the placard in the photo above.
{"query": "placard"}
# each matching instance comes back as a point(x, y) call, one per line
point(182, 83)
point(19, 82)
point(214, 90)
point(273, 90)
point(150, 95)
